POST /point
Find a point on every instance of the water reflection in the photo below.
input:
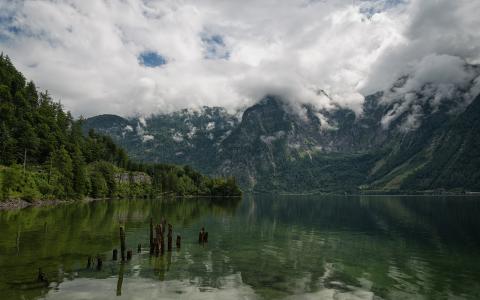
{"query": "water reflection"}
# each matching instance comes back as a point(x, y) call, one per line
point(264, 247)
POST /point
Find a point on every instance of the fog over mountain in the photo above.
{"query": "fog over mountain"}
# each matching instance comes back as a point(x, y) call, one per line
point(140, 57)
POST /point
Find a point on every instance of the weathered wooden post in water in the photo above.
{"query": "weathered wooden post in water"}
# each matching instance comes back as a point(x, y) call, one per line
point(170, 229)
point(201, 236)
point(89, 262)
point(42, 277)
point(122, 243)
point(120, 280)
point(129, 254)
point(179, 240)
point(99, 263)
point(151, 236)
point(160, 239)
point(114, 254)
point(155, 247)
point(139, 248)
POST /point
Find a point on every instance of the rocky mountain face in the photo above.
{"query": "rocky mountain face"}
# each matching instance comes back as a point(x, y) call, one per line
point(400, 141)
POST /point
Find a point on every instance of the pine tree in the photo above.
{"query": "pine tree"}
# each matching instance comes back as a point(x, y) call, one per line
point(63, 168)
point(80, 179)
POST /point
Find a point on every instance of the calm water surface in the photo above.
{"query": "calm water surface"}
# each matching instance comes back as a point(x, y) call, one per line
point(261, 247)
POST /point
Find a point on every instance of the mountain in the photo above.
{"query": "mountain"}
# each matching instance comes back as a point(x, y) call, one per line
point(401, 141)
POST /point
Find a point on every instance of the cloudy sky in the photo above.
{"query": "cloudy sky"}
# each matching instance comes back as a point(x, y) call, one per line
point(145, 56)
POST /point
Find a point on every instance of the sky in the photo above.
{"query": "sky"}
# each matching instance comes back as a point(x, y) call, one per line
point(138, 57)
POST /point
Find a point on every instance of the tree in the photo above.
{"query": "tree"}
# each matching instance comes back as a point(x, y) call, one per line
point(63, 173)
point(108, 173)
point(80, 180)
point(99, 187)
point(11, 178)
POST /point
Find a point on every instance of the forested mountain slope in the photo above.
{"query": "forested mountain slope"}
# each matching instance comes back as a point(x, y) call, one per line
point(44, 154)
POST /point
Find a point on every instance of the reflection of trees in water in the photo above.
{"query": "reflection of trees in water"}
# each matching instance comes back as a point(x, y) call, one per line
point(398, 241)
point(278, 245)
point(412, 217)
point(78, 230)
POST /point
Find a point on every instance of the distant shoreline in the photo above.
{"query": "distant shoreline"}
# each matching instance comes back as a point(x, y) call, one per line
point(367, 193)
point(18, 204)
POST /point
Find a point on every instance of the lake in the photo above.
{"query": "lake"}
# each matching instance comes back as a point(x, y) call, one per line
point(259, 247)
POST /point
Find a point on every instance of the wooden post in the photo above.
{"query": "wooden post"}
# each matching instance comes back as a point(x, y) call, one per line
point(170, 229)
point(99, 263)
point(156, 249)
point(42, 277)
point(151, 236)
point(89, 262)
point(160, 240)
point(201, 235)
point(129, 254)
point(114, 254)
point(122, 243)
point(162, 244)
point(120, 280)
point(179, 240)
point(139, 248)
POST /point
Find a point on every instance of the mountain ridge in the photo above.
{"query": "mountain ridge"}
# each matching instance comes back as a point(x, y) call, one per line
point(274, 148)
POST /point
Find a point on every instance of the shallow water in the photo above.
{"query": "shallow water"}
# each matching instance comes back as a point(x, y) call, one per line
point(262, 247)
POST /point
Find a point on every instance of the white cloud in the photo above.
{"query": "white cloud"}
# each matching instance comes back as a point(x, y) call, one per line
point(231, 53)
point(438, 36)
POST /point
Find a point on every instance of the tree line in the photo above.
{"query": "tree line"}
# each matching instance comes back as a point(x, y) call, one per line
point(44, 154)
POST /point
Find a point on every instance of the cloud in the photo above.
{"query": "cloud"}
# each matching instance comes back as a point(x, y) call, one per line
point(438, 38)
point(140, 57)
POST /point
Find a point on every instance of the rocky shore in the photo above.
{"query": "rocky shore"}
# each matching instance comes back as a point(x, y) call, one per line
point(13, 204)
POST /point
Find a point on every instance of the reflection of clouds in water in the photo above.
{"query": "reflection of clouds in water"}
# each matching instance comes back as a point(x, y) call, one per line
point(143, 288)
point(231, 287)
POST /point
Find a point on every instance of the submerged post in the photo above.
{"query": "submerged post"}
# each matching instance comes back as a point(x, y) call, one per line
point(162, 244)
point(156, 249)
point(122, 243)
point(89, 262)
point(179, 240)
point(99, 263)
point(160, 239)
point(120, 280)
point(201, 235)
point(42, 277)
point(114, 254)
point(170, 229)
point(151, 236)
point(129, 254)
point(139, 248)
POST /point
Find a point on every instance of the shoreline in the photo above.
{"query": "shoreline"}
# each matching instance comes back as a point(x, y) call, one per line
point(19, 204)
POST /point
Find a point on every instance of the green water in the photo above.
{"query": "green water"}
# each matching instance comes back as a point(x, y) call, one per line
point(262, 247)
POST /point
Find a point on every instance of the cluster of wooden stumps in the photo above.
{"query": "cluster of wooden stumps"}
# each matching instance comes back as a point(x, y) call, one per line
point(157, 240)
point(157, 247)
